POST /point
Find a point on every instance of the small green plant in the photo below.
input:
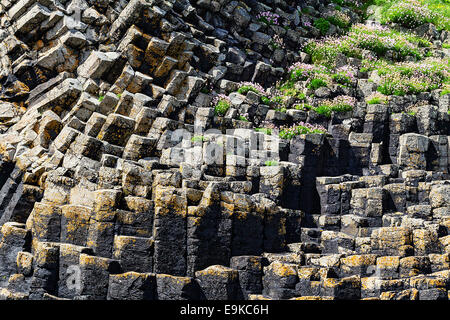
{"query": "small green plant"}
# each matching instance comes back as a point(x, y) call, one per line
point(269, 18)
point(446, 45)
point(291, 91)
point(413, 13)
point(222, 108)
point(242, 118)
point(377, 98)
point(267, 131)
point(324, 110)
point(277, 100)
point(413, 77)
point(323, 25)
point(338, 104)
point(271, 163)
point(299, 129)
point(101, 98)
point(283, 109)
point(317, 83)
point(199, 139)
point(339, 19)
point(221, 104)
point(302, 71)
point(265, 100)
point(119, 95)
point(341, 79)
point(361, 39)
point(445, 89)
point(245, 89)
point(277, 42)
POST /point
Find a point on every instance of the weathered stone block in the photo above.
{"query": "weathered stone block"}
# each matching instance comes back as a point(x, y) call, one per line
point(219, 283)
point(132, 286)
point(178, 288)
point(97, 64)
point(134, 253)
point(75, 224)
point(117, 129)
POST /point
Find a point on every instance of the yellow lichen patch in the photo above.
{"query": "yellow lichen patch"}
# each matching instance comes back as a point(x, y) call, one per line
point(388, 295)
point(257, 297)
point(241, 215)
point(194, 195)
point(13, 228)
point(359, 260)
point(167, 202)
point(67, 249)
point(228, 207)
point(105, 200)
point(183, 281)
point(427, 282)
point(306, 272)
point(196, 211)
point(311, 298)
point(255, 261)
point(218, 271)
point(283, 269)
point(121, 243)
point(87, 260)
point(5, 294)
point(16, 277)
point(39, 219)
point(282, 227)
point(76, 219)
point(24, 261)
point(388, 262)
point(194, 221)
point(130, 274)
point(46, 253)
point(330, 282)
point(369, 283)
point(445, 242)
point(104, 215)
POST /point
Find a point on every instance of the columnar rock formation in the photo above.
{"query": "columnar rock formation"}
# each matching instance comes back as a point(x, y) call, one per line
point(119, 181)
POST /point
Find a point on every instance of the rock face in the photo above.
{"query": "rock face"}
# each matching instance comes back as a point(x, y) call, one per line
point(119, 181)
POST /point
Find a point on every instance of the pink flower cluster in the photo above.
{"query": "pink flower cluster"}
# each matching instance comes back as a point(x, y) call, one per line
point(340, 102)
point(344, 101)
point(254, 85)
point(220, 97)
point(269, 125)
point(410, 13)
point(306, 22)
point(278, 42)
point(360, 39)
point(377, 98)
point(301, 66)
point(414, 77)
point(269, 17)
point(301, 128)
point(348, 71)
